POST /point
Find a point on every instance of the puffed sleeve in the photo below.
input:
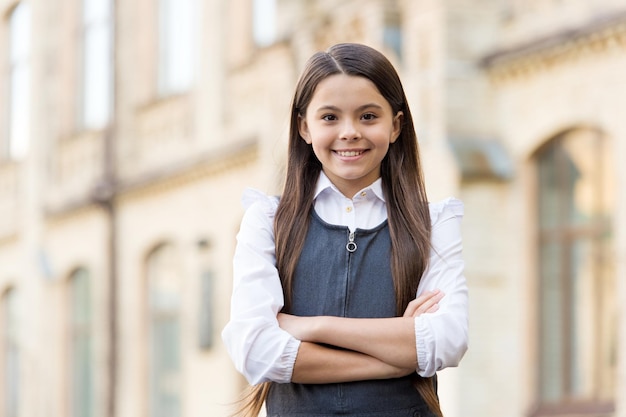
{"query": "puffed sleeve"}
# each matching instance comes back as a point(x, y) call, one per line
point(259, 348)
point(442, 336)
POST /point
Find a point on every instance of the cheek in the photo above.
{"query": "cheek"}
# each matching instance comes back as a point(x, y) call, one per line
point(318, 149)
point(321, 137)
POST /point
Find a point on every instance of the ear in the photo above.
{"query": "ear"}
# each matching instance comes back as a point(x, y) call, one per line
point(303, 129)
point(397, 126)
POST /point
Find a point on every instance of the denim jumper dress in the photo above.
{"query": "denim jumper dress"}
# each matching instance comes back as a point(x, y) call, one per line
point(345, 275)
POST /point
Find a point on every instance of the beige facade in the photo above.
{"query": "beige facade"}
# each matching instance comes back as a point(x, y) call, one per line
point(147, 204)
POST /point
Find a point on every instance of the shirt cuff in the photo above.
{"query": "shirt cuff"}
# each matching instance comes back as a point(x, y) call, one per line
point(284, 370)
point(425, 344)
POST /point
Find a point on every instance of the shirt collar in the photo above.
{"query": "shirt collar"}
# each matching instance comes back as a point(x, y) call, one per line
point(324, 183)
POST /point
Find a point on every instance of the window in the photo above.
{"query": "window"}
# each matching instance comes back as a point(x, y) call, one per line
point(19, 81)
point(176, 46)
point(96, 89)
point(81, 371)
point(205, 316)
point(264, 22)
point(164, 379)
point(392, 32)
point(577, 343)
point(10, 354)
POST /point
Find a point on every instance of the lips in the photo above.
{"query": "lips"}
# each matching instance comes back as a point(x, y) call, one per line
point(349, 153)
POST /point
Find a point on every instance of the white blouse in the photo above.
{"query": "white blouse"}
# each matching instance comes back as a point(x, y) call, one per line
point(262, 351)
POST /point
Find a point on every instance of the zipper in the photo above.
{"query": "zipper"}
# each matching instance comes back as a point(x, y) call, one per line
point(351, 245)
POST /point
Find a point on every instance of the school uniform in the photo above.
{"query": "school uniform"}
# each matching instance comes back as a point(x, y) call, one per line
point(344, 270)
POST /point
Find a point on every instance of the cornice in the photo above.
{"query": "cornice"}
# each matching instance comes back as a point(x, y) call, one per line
point(209, 164)
point(599, 36)
point(163, 179)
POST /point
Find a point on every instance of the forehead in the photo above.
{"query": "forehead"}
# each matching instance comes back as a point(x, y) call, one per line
point(346, 90)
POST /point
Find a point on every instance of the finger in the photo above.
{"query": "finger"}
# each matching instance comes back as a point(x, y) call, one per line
point(432, 309)
point(430, 305)
point(414, 305)
point(410, 309)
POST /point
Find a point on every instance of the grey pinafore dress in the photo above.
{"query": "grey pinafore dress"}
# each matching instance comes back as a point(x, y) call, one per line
point(345, 275)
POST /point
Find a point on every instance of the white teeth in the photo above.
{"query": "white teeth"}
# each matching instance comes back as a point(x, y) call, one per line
point(349, 153)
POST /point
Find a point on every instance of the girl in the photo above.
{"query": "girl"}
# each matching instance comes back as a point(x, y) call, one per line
point(348, 290)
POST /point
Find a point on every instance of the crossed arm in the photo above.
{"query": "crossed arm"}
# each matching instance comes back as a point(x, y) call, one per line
point(268, 346)
point(370, 348)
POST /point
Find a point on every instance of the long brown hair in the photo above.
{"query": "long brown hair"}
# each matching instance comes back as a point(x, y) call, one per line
point(402, 182)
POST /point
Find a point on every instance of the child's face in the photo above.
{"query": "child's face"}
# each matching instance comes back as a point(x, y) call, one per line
point(350, 126)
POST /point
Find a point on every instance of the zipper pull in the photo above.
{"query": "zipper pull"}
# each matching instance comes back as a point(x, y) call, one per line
point(351, 245)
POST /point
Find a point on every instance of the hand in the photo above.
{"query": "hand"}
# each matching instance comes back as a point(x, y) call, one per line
point(294, 325)
point(427, 302)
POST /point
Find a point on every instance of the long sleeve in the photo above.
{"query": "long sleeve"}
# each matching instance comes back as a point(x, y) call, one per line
point(259, 348)
point(442, 337)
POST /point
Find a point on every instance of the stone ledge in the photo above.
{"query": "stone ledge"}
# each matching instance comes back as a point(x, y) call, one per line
point(163, 179)
point(598, 36)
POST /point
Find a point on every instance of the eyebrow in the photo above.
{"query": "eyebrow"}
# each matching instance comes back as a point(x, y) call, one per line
point(360, 108)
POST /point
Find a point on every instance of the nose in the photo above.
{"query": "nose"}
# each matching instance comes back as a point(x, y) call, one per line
point(350, 131)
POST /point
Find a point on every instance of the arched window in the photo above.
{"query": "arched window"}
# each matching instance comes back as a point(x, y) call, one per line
point(81, 344)
point(164, 333)
point(10, 354)
point(577, 327)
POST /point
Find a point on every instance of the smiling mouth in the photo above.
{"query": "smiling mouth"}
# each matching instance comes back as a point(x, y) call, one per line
point(349, 153)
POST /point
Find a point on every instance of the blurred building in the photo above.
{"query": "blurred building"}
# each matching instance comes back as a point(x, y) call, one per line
point(130, 129)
